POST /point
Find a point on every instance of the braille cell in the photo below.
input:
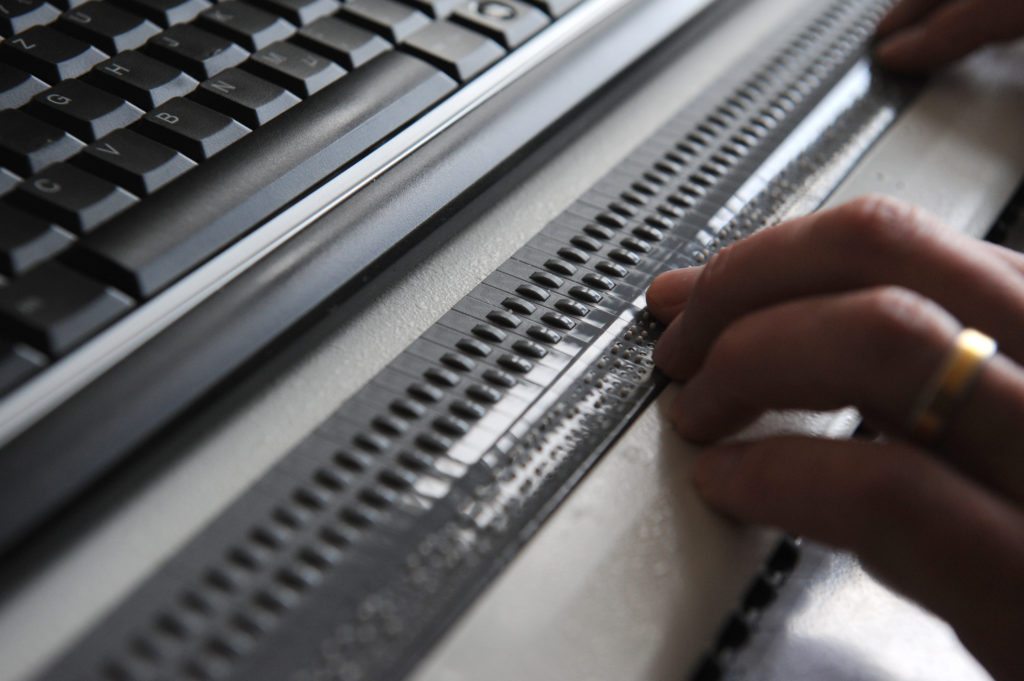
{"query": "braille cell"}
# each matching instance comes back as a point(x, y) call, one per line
point(624, 256)
point(502, 318)
point(471, 346)
point(585, 294)
point(544, 335)
point(517, 364)
point(533, 292)
point(499, 378)
point(611, 269)
point(467, 409)
point(546, 279)
point(573, 255)
point(659, 222)
point(425, 393)
point(441, 377)
point(572, 307)
point(389, 424)
point(585, 243)
point(648, 233)
point(623, 209)
point(612, 220)
point(433, 442)
point(560, 267)
point(483, 393)
point(599, 232)
point(636, 245)
point(451, 425)
point(529, 348)
point(371, 442)
point(598, 282)
point(634, 198)
point(558, 320)
point(456, 361)
point(489, 333)
point(520, 306)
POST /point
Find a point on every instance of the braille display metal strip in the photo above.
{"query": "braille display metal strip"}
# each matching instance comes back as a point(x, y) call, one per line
point(351, 556)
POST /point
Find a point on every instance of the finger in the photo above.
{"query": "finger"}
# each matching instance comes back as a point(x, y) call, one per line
point(949, 33)
point(669, 292)
point(876, 349)
point(928, 532)
point(868, 242)
point(906, 13)
point(1010, 257)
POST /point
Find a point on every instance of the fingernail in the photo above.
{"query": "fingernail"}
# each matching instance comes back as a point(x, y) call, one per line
point(899, 47)
point(884, 48)
point(669, 292)
point(714, 467)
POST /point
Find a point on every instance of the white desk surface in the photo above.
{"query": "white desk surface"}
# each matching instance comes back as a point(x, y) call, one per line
point(632, 575)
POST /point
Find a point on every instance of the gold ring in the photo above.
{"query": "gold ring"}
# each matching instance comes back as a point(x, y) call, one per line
point(971, 351)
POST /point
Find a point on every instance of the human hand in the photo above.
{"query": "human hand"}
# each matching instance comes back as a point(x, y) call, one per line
point(923, 35)
point(860, 305)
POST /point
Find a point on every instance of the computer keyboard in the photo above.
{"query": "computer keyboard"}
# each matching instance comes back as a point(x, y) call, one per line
point(118, 101)
point(140, 139)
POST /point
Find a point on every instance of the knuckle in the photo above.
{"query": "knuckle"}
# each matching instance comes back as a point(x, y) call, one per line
point(892, 314)
point(874, 224)
point(876, 208)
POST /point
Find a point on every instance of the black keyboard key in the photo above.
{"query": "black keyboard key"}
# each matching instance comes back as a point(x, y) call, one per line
point(460, 52)
point(191, 128)
point(202, 54)
point(167, 12)
point(137, 163)
point(55, 308)
point(8, 181)
point(72, 198)
point(436, 8)
point(111, 29)
point(143, 81)
point(509, 22)
point(246, 25)
point(20, 15)
point(28, 145)
point(17, 87)
point(26, 240)
point(245, 97)
point(83, 110)
point(300, 12)
point(50, 54)
point(349, 45)
point(388, 17)
point(308, 144)
point(556, 8)
point(295, 68)
point(17, 363)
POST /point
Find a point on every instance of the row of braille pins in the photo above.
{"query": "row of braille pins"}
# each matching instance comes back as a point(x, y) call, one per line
point(218, 650)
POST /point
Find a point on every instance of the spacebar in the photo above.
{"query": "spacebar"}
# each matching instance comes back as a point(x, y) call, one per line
point(169, 234)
